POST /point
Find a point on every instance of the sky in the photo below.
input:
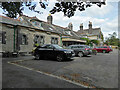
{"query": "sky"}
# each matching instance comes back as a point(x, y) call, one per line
point(105, 17)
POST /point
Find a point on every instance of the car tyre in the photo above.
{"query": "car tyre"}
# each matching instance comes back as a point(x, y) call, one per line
point(37, 57)
point(59, 58)
point(80, 54)
point(96, 52)
point(104, 51)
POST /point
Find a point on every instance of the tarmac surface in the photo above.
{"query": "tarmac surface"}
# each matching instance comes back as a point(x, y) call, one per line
point(95, 71)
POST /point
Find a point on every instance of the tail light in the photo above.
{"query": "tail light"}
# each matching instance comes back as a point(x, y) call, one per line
point(86, 48)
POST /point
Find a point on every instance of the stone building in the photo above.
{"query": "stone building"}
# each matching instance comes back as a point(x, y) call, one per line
point(91, 33)
point(23, 34)
point(73, 38)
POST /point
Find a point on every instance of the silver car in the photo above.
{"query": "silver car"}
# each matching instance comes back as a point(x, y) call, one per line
point(81, 50)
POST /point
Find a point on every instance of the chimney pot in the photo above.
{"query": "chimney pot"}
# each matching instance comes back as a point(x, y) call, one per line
point(50, 19)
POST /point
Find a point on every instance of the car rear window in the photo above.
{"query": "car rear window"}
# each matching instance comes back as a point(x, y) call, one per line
point(77, 47)
point(80, 46)
point(74, 47)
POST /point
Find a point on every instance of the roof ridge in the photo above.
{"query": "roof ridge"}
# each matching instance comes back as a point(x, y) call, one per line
point(10, 18)
point(43, 21)
point(29, 16)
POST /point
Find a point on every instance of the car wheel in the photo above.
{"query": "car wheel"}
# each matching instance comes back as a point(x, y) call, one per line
point(96, 53)
point(104, 51)
point(59, 58)
point(80, 54)
point(37, 56)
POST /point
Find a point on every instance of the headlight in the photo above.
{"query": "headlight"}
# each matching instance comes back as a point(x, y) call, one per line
point(67, 51)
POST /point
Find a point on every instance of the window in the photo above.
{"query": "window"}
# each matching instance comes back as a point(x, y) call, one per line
point(74, 47)
point(21, 19)
point(40, 24)
point(99, 36)
point(2, 37)
point(35, 23)
point(50, 28)
point(104, 47)
point(80, 46)
point(41, 40)
point(24, 40)
point(38, 40)
point(54, 40)
point(48, 47)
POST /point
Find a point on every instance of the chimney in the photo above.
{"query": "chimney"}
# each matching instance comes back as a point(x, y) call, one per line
point(81, 27)
point(70, 26)
point(49, 19)
point(90, 27)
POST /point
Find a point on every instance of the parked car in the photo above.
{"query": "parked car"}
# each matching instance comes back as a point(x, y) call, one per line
point(103, 49)
point(94, 52)
point(80, 50)
point(53, 51)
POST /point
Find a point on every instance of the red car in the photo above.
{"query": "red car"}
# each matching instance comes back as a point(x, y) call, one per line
point(103, 49)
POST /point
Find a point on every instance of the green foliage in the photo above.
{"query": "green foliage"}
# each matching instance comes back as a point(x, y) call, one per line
point(112, 40)
point(89, 42)
point(13, 9)
point(95, 41)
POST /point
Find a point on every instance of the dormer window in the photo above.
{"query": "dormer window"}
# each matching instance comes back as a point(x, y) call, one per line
point(50, 28)
point(38, 24)
point(21, 19)
point(68, 32)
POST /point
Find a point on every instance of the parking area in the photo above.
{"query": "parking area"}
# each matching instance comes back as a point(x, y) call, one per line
point(99, 70)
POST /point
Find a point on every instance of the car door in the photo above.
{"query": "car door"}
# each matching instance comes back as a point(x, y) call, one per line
point(49, 51)
point(75, 48)
point(99, 49)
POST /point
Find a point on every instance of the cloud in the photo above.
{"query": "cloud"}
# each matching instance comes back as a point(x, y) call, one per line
point(97, 11)
point(113, 0)
point(101, 17)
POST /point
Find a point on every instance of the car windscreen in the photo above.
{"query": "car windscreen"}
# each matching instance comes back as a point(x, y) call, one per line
point(88, 47)
point(57, 47)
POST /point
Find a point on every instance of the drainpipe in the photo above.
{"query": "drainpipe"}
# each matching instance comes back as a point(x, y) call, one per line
point(14, 40)
point(61, 39)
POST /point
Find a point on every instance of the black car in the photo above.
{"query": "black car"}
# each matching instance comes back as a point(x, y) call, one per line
point(80, 50)
point(53, 51)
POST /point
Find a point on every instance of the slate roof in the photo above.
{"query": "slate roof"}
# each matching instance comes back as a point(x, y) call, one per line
point(26, 22)
point(55, 28)
point(12, 21)
point(45, 25)
point(9, 20)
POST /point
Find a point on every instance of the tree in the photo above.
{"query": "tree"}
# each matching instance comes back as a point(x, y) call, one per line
point(90, 42)
point(112, 40)
point(68, 7)
point(87, 40)
point(95, 41)
point(12, 9)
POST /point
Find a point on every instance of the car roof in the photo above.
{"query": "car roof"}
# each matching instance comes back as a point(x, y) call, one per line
point(78, 45)
point(49, 44)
